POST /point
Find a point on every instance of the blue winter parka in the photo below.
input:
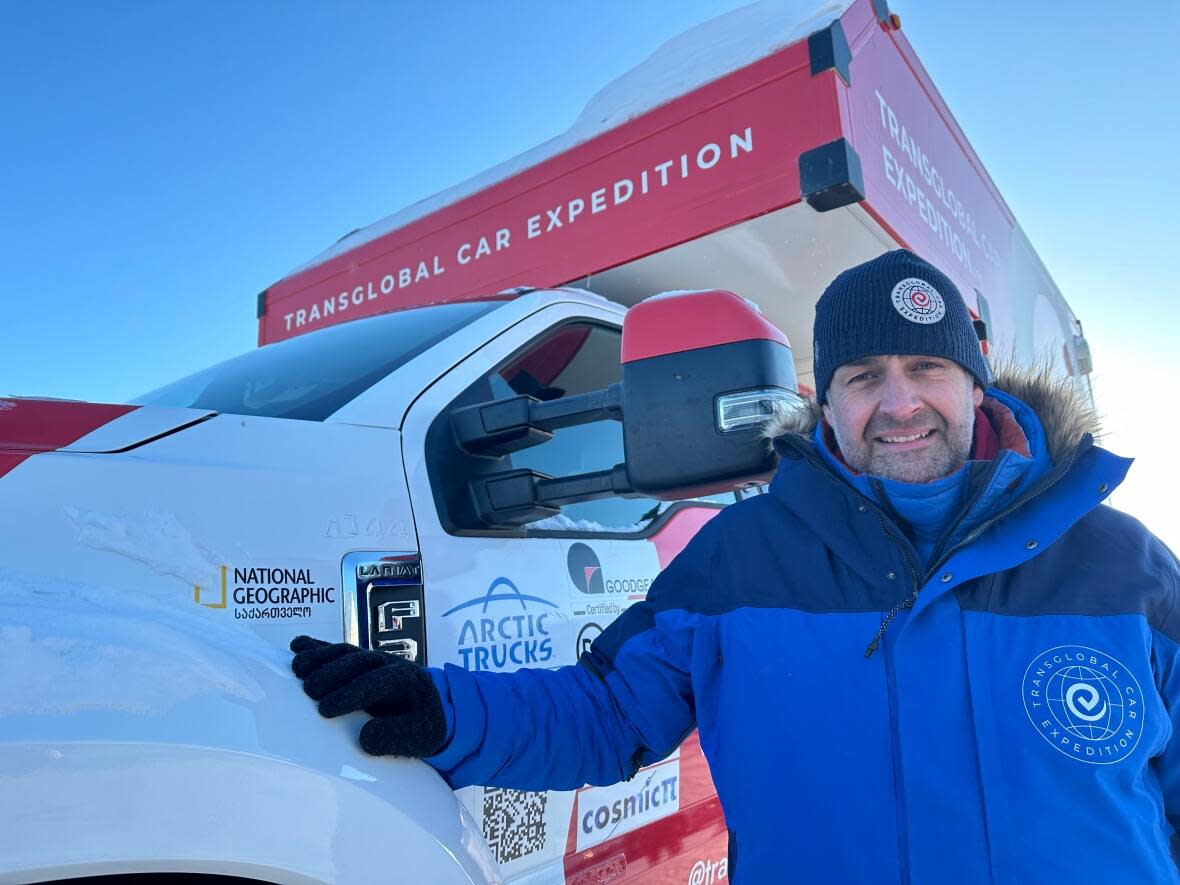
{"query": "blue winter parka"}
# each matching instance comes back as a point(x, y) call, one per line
point(1012, 723)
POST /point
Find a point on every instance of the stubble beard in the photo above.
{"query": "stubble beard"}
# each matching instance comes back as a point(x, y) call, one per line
point(946, 454)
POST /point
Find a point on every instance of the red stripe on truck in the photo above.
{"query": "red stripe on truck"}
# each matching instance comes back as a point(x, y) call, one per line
point(8, 460)
point(31, 426)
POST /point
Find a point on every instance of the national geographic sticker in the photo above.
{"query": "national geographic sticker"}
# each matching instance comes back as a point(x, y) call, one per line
point(265, 592)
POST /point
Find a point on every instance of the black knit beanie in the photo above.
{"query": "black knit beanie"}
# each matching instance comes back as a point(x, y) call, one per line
point(895, 304)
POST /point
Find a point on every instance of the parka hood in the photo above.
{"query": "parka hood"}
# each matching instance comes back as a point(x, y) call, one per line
point(1064, 414)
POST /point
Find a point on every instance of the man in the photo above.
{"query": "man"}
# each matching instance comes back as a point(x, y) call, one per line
point(927, 656)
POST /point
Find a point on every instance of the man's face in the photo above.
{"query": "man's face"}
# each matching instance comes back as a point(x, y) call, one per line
point(908, 418)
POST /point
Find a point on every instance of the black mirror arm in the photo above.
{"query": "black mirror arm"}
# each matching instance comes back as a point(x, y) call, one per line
point(559, 491)
point(516, 497)
point(504, 426)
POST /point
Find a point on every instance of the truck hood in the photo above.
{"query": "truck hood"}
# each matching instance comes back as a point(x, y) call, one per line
point(242, 523)
point(31, 426)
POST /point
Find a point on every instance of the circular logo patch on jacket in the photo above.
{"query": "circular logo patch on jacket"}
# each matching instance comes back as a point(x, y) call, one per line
point(1085, 703)
point(918, 301)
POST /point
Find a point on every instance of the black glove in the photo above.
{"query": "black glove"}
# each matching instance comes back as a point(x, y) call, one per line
point(407, 711)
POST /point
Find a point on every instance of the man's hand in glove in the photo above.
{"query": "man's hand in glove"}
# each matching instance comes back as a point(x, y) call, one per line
point(407, 711)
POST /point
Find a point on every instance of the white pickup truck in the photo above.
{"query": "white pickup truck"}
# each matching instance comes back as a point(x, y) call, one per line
point(485, 483)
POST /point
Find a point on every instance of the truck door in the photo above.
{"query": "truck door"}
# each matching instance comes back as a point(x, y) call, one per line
point(500, 599)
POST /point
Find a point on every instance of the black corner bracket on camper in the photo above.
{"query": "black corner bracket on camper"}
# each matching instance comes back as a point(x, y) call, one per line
point(829, 49)
point(830, 176)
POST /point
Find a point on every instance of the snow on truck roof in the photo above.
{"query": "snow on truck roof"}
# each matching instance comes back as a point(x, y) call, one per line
point(700, 55)
point(670, 188)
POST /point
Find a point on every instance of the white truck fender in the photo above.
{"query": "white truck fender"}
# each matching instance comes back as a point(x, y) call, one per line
point(93, 809)
point(139, 744)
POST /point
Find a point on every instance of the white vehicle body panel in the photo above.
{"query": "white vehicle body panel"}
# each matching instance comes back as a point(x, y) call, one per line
point(152, 725)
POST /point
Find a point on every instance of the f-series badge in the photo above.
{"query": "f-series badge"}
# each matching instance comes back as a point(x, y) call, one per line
point(390, 605)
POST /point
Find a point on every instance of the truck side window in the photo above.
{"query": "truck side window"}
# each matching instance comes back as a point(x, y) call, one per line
point(573, 359)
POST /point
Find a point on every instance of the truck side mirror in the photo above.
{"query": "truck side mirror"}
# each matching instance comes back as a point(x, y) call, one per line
point(702, 372)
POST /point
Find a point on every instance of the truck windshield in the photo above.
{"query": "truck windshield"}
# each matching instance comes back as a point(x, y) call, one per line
point(314, 375)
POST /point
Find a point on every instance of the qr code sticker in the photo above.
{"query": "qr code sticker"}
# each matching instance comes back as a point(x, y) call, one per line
point(513, 822)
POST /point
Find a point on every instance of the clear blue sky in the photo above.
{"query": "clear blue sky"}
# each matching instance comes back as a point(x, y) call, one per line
point(160, 163)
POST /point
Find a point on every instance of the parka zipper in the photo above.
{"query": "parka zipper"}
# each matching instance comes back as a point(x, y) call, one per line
point(909, 603)
point(899, 806)
point(887, 525)
point(1050, 480)
point(992, 469)
point(884, 521)
point(890, 531)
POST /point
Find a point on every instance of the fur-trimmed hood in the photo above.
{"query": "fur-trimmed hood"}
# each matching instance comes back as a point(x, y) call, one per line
point(1063, 412)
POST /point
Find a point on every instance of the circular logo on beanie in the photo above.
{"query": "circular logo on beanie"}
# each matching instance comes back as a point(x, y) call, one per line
point(1085, 703)
point(918, 301)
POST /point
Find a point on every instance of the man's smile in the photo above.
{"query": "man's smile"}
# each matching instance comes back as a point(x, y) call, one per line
point(906, 441)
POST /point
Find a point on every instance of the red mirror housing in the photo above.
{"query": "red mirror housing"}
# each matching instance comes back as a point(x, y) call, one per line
point(702, 372)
